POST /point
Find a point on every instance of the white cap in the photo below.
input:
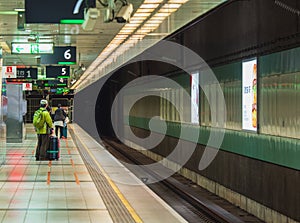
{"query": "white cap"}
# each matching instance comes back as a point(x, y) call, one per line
point(44, 102)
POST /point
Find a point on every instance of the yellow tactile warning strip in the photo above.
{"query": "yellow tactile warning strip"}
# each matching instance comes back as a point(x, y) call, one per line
point(125, 202)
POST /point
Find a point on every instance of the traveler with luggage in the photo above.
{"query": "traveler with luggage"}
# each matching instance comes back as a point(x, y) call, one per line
point(43, 126)
point(59, 118)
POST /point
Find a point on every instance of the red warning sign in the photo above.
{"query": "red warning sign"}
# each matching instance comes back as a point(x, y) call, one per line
point(9, 72)
point(27, 86)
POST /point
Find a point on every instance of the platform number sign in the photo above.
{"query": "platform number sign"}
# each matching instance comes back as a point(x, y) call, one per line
point(57, 72)
point(67, 54)
point(61, 55)
point(54, 11)
point(27, 73)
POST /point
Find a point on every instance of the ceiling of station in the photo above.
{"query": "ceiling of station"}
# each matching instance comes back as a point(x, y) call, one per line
point(89, 44)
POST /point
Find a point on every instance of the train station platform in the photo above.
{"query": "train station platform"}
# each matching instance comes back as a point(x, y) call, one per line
point(76, 188)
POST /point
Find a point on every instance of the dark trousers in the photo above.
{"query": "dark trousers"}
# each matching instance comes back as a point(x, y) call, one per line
point(60, 131)
point(42, 146)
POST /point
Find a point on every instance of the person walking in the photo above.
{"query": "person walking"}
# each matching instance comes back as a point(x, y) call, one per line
point(43, 126)
point(59, 118)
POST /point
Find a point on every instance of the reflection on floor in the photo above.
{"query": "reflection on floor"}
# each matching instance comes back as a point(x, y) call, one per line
point(47, 191)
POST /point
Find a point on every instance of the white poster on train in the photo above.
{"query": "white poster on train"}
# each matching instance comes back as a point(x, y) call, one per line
point(195, 98)
point(249, 72)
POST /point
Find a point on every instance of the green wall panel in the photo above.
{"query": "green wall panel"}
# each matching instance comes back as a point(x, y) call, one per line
point(228, 72)
point(277, 150)
point(279, 63)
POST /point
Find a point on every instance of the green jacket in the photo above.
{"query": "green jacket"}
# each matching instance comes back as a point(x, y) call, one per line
point(48, 122)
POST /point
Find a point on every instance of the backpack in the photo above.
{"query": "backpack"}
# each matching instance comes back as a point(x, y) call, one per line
point(38, 119)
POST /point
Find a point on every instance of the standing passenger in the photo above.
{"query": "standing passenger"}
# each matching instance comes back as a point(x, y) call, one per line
point(59, 118)
point(42, 122)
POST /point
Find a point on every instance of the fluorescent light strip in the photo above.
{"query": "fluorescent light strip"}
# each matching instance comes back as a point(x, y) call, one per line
point(149, 6)
point(143, 11)
point(162, 14)
point(136, 19)
point(142, 14)
point(152, 1)
point(128, 32)
point(178, 1)
point(172, 6)
point(167, 10)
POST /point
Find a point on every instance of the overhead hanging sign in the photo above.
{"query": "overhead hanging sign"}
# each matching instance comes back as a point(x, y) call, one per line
point(27, 73)
point(61, 55)
point(54, 11)
point(31, 48)
point(249, 95)
point(57, 72)
point(9, 71)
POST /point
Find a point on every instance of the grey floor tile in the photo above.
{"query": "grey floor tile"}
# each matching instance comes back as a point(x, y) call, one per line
point(57, 217)
point(14, 217)
point(35, 216)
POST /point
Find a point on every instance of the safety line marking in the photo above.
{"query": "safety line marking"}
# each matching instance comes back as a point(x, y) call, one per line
point(130, 209)
point(67, 146)
point(76, 178)
point(48, 178)
point(66, 140)
point(72, 162)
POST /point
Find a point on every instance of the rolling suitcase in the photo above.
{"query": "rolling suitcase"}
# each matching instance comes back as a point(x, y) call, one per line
point(53, 151)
